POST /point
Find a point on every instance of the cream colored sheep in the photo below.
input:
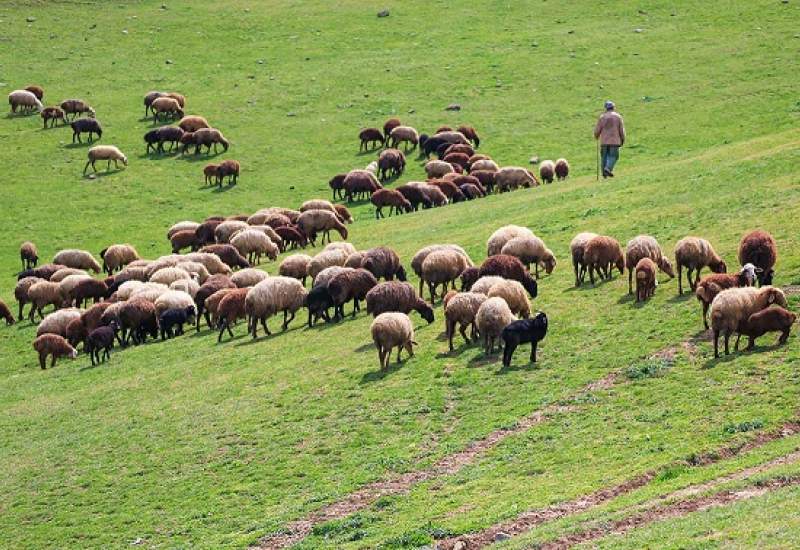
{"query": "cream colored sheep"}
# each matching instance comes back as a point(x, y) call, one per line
point(531, 250)
point(312, 222)
point(392, 330)
point(168, 275)
point(173, 299)
point(403, 134)
point(268, 231)
point(189, 286)
point(253, 243)
point(493, 316)
point(78, 259)
point(645, 246)
point(498, 239)
point(514, 295)
point(438, 168)
point(509, 178)
point(326, 258)
point(182, 226)
point(442, 267)
point(694, 254)
point(484, 164)
point(735, 305)
point(422, 254)
point(149, 291)
point(341, 245)
point(25, 99)
point(65, 272)
point(211, 262)
point(226, 229)
point(105, 152)
point(248, 277)
point(461, 310)
point(577, 247)
point(195, 269)
point(485, 284)
point(317, 204)
point(271, 296)
point(117, 256)
point(126, 289)
point(295, 266)
point(547, 171)
point(56, 322)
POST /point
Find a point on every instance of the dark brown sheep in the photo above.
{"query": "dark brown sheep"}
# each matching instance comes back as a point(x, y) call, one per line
point(336, 183)
point(92, 316)
point(42, 272)
point(341, 211)
point(390, 125)
point(486, 177)
point(370, 135)
point(435, 195)
point(461, 159)
point(646, 281)
point(204, 234)
point(471, 191)
point(76, 333)
point(192, 123)
point(461, 148)
point(393, 199)
point(88, 289)
point(359, 183)
point(89, 126)
point(29, 255)
point(171, 135)
point(772, 319)
point(759, 248)
point(207, 137)
point(397, 296)
point(212, 285)
point(210, 173)
point(509, 267)
point(53, 115)
point(444, 129)
point(76, 107)
point(470, 133)
point(229, 169)
point(228, 254)
point(391, 163)
point(414, 196)
point(55, 346)
point(350, 285)
point(184, 239)
point(601, 254)
point(5, 313)
point(383, 263)
point(562, 169)
point(230, 310)
point(291, 237)
point(38, 91)
point(450, 190)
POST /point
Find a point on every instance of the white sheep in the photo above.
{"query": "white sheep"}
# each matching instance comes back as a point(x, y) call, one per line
point(189, 286)
point(127, 289)
point(735, 305)
point(271, 296)
point(25, 99)
point(173, 299)
point(326, 258)
point(224, 231)
point(531, 250)
point(168, 275)
point(577, 247)
point(461, 310)
point(195, 269)
point(498, 239)
point(149, 291)
point(253, 243)
point(79, 259)
point(56, 322)
point(514, 295)
point(211, 262)
point(105, 152)
point(493, 316)
point(645, 246)
point(295, 266)
point(438, 168)
point(392, 330)
point(248, 277)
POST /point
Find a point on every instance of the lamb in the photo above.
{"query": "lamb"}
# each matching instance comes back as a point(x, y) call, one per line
point(391, 163)
point(318, 302)
point(470, 133)
point(295, 266)
point(514, 295)
point(646, 281)
point(271, 296)
point(350, 285)
point(168, 275)
point(231, 308)
point(171, 321)
point(562, 169)
point(107, 153)
point(248, 277)
point(210, 287)
point(88, 289)
point(38, 91)
point(204, 136)
point(42, 294)
point(521, 332)
point(100, 339)
point(184, 239)
point(759, 248)
point(76, 107)
point(21, 293)
point(471, 191)
point(358, 183)
point(644, 246)
point(734, 305)
point(547, 171)
point(210, 173)
point(55, 346)
point(313, 221)
point(531, 250)
point(5, 313)
point(253, 244)
point(53, 115)
point(89, 126)
point(78, 259)
point(422, 254)
point(509, 267)
point(392, 330)
point(711, 285)
point(370, 135)
point(182, 226)
point(383, 263)
point(695, 253)
point(230, 169)
point(601, 254)
point(166, 106)
point(173, 299)
point(486, 178)
point(498, 239)
point(510, 178)
point(56, 322)
point(390, 125)
point(772, 319)
point(225, 230)
point(414, 196)
point(336, 183)
point(24, 99)
point(393, 199)
point(403, 134)
point(228, 254)
point(192, 123)
point(461, 310)
point(210, 261)
point(290, 237)
point(493, 316)
point(44, 272)
point(137, 319)
point(577, 249)
point(397, 296)
point(149, 97)
point(487, 165)
point(29, 255)
point(117, 256)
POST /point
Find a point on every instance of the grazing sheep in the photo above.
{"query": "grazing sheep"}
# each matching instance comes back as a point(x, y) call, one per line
point(29, 255)
point(390, 125)
point(168, 275)
point(358, 183)
point(350, 285)
point(370, 136)
point(312, 222)
point(110, 314)
point(117, 256)
point(531, 250)
point(149, 97)
point(486, 179)
point(184, 239)
point(484, 284)
point(695, 253)
point(91, 318)
point(56, 322)
point(225, 230)
point(510, 178)
point(192, 123)
point(62, 274)
point(88, 289)
point(167, 134)
point(498, 239)
point(711, 285)
point(383, 263)
point(253, 244)
point(471, 191)
point(392, 330)
point(493, 316)
point(170, 322)
point(76, 333)
point(397, 296)
point(100, 340)
point(204, 137)
point(55, 346)
point(414, 196)
point(107, 153)
point(26, 100)
point(295, 266)
point(38, 91)
point(393, 199)
point(212, 285)
point(189, 286)
point(42, 294)
point(43, 272)
point(343, 213)
point(228, 254)
point(509, 267)
point(470, 133)
point(210, 261)
point(461, 310)
point(317, 204)
point(137, 319)
point(89, 126)
point(212, 306)
point(271, 296)
point(442, 267)
point(434, 195)
point(182, 226)
point(197, 270)
point(461, 159)
point(449, 189)
point(341, 245)
point(336, 183)
point(126, 290)
point(166, 106)
point(290, 237)
point(53, 115)
point(468, 277)
point(772, 319)
point(318, 302)
point(462, 179)
point(437, 168)
point(644, 246)
point(76, 107)
point(403, 134)
point(78, 259)
point(521, 332)
point(210, 173)
point(734, 305)
point(248, 277)
point(759, 248)
point(173, 299)
point(601, 254)
point(21, 293)
point(354, 260)
point(547, 171)
point(562, 169)
point(177, 97)
point(422, 254)
point(5, 313)
point(230, 169)
point(514, 295)
point(646, 281)
point(231, 308)
point(487, 165)
point(326, 275)
point(577, 249)
point(391, 163)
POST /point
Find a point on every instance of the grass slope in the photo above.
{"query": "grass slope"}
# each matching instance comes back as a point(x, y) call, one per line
point(196, 444)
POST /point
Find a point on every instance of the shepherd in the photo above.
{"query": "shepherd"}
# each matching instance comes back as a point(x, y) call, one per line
point(611, 133)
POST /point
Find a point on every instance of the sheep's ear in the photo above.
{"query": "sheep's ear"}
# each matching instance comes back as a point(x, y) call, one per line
point(759, 270)
point(771, 297)
point(413, 343)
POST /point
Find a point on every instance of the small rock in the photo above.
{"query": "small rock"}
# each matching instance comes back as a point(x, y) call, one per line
point(92, 176)
point(93, 26)
point(290, 113)
point(453, 107)
point(570, 32)
point(291, 187)
point(137, 541)
point(535, 44)
point(412, 111)
point(272, 78)
point(308, 59)
point(638, 30)
point(124, 31)
point(784, 1)
point(30, 19)
point(260, 61)
point(168, 62)
point(499, 537)
point(642, 12)
point(163, 6)
point(383, 13)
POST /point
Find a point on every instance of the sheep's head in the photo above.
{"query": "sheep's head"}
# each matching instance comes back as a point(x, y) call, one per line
point(425, 311)
point(749, 274)
point(343, 232)
point(531, 286)
point(73, 353)
point(124, 160)
point(91, 112)
point(666, 267)
point(401, 274)
point(765, 277)
point(719, 266)
point(549, 262)
point(775, 296)
point(620, 263)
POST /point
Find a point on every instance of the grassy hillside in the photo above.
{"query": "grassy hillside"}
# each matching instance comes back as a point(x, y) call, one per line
point(193, 444)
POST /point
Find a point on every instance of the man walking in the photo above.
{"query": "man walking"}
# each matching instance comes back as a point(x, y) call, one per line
point(611, 133)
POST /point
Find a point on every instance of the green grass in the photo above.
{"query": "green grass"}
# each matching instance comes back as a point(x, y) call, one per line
point(194, 444)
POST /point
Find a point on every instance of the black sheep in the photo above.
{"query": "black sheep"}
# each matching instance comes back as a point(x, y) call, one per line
point(101, 339)
point(318, 302)
point(86, 126)
point(171, 135)
point(521, 332)
point(151, 139)
point(432, 145)
point(175, 318)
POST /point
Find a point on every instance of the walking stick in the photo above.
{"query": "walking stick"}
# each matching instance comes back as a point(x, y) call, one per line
point(597, 164)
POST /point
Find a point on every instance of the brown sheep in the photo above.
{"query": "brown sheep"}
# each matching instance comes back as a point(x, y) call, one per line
point(772, 319)
point(55, 346)
point(646, 282)
point(601, 254)
point(645, 246)
point(38, 91)
point(461, 148)
point(5, 313)
point(336, 183)
point(229, 169)
point(350, 285)
point(759, 248)
point(204, 137)
point(184, 239)
point(343, 213)
point(358, 183)
point(29, 255)
point(228, 254)
point(486, 178)
point(711, 285)
point(390, 125)
point(393, 199)
point(694, 254)
point(370, 135)
point(231, 308)
point(470, 133)
point(193, 123)
point(391, 163)
point(166, 106)
point(312, 222)
point(383, 263)
point(53, 115)
point(562, 169)
point(210, 173)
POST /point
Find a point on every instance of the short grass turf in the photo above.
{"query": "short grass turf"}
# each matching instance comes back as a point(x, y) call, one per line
point(193, 444)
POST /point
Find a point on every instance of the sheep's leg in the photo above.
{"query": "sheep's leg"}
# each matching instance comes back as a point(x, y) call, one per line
point(463, 330)
point(399, 351)
point(688, 276)
point(508, 353)
point(432, 290)
point(591, 274)
point(42, 359)
point(705, 315)
point(736, 344)
point(630, 281)
point(534, 345)
point(716, 343)
point(727, 339)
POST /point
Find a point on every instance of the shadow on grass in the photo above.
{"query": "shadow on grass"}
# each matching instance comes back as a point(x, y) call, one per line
point(529, 366)
point(197, 157)
point(587, 286)
point(102, 174)
point(484, 360)
point(22, 114)
point(457, 351)
point(45, 128)
point(682, 297)
point(78, 144)
point(156, 155)
point(377, 375)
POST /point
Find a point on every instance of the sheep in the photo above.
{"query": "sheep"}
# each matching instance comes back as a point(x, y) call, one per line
point(172, 299)
point(498, 239)
point(442, 267)
point(53, 115)
point(393, 199)
point(601, 254)
point(295, 266)
point(318, 301)
point(76, 333)
point(230, 309)
point(646, 281)
point(734, 305)
point(391, 163)
point(577, 249)
point(5, 313)
point(562, 169)
point(370, 135)
point(317, 204)
point(204, 136)
point(493, 316)
point(150, 292)
point(87, 289)
point(167, 106)
point(336, 183)
point(184, 239)
point(462, 179)
point(643, 246)
point(212, 285)
point(171, 321)
point(487, 165)
point(189, 286)
point(25, 99)
point(437, 168)
point(248, 277)
point(225, 230)
point(38, 91)
point(101, 339)
point(210, 261)
point(91, 317)
point(43, 272)
point(772, 319)
point(311, 222)
point(461, 310)
point(182, 226)
point(107, 153)
point(547, 171)
point(759, 248)
point(414, 196)
point(76, 107)
point(55, 346)
point(422, 254)
point(89, 126)
point(343, 213)
point(383, 263)
point(403, 134)
point(117, 256)
point(449, 189)
point(210, 173)
point(711, 285)
point(162, 262)
point(110, 314)
point(62, 274)
point(514, 295)
point(357, 183)
point(228, 254)
point(42, 294)
point(354, 260)
point(509, 267)
point(695, 253)
point(461, 159)
point(137, 319)
point(168, 275)
point(350, 285)
point(510, 178)
point(531, 250)
point(192, 123)
point(126, 290)
point(290, 237)
point(78, 259)
point(29, 255)
point(271, 296)
point(56, 322)
point(149, 97)
point(434, 195)
point(253, 243)
point(177, 97)
point(392, 330)
point(326, 275)
point(471, 191)
point(470, 133)
point(21, 293)
point(324, 259)
point(521, 332)
point(166, 134)
point(390, 125)
point(486, 179)
point(397, 296)
point(484, 284)
point(230, 169)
